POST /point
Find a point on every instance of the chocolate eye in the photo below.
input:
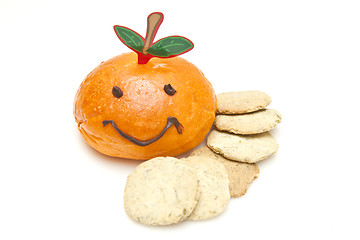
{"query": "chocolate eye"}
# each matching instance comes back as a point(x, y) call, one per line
point(117, 92)
point(169, 90)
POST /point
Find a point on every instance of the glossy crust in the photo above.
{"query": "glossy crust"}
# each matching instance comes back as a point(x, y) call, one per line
point(143, 109)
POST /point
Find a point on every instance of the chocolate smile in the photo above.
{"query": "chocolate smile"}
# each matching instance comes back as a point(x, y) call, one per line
point(170, 121)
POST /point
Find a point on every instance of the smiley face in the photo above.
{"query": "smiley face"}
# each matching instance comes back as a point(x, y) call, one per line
point(118, 93)
point(162, 108)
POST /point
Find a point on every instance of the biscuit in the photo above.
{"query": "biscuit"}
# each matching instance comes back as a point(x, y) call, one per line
point(249, 123)
point(241, 175)
point(161, 191)
point(242, 102)
point(214, 187)
point(243, 148)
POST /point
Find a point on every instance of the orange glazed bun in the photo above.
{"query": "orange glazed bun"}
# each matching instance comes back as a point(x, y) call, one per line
point(129, 110)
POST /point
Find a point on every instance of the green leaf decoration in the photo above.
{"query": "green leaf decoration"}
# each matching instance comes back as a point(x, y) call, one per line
point(130, 38)
point(170, 46)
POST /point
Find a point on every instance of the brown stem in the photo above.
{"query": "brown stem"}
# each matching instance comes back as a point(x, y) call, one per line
point(153, 23)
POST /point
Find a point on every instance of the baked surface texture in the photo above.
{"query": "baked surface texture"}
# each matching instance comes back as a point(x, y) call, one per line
point(243, 148)
point(161, 191)
point(249, 123)
point(214, 187)
point(241, 175)
point(242, 102)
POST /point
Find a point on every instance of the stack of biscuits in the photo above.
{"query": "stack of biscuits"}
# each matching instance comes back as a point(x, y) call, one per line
point(242, 136)
point(168, 190)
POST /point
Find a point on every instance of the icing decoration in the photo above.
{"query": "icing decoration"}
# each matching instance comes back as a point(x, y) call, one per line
point(167, 47)
point(169, 90)
point(170, 121)
point(117, 92)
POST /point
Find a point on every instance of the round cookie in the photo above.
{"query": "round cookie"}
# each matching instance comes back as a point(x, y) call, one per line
point(161, 191)
point(214, 187)
point(249, 123)
point(243, 148)
point(242, 102)
point(241, 175)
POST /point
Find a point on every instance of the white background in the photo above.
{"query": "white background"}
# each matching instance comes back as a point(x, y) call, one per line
point(304, 54)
